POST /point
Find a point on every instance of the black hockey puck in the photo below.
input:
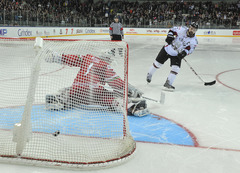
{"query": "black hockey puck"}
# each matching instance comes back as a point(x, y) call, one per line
point(56, 133)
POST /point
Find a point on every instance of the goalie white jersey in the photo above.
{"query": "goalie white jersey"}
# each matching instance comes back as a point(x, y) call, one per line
point(181, 42)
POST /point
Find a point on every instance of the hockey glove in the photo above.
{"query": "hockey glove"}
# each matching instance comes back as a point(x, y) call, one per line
point(137, 107)
point(170, 38)
point(182, 54)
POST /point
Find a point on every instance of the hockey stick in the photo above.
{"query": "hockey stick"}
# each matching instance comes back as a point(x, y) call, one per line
point(162, 98)
point(205, 83)
point(147, 98)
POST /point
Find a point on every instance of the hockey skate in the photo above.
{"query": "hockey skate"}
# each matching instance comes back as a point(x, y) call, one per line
point(168, 87)
point(149, 77)
point(54, 103)
point(58, 101)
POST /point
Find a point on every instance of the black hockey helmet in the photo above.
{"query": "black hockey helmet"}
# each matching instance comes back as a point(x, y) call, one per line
point(192, 29)
point(194, 25)
point(116, 17)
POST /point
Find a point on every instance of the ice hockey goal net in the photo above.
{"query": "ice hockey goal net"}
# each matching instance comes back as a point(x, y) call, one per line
point(85, 124)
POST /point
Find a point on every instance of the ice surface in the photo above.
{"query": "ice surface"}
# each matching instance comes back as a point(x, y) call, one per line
point(211, 113)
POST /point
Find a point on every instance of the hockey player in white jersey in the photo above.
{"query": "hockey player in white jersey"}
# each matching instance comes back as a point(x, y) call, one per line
point(181, 41)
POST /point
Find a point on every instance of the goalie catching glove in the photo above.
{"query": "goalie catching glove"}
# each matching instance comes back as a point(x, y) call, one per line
point(137, 107)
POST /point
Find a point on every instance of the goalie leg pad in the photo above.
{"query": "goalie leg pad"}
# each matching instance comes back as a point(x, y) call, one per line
point(141, 113)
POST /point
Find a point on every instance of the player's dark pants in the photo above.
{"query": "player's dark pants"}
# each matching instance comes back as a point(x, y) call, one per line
point(116, 37)
point(163, 57)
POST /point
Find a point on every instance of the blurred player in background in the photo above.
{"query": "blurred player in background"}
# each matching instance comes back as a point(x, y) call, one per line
point(181, 41)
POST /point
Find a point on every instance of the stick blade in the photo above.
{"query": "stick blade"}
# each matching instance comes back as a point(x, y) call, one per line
point(162, 98)
point(210, 83)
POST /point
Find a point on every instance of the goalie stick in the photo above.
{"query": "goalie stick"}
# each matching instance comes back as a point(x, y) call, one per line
point(205, 83)
point(162, 98)
point(147, 98)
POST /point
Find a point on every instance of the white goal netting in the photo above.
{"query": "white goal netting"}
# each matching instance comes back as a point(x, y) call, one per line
point(64, 104)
